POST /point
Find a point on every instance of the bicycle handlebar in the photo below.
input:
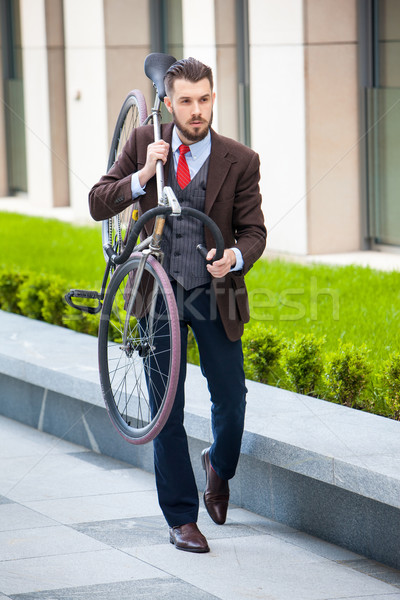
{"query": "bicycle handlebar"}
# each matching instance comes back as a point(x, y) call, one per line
point(119, 259)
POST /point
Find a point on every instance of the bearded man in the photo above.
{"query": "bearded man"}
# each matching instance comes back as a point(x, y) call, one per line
point(220, 177)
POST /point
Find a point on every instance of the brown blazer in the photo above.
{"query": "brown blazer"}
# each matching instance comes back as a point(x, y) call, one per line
point(233, 201)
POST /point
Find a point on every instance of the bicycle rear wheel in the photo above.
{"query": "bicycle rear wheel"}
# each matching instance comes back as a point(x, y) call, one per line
point(133, 114)
point(139, 349)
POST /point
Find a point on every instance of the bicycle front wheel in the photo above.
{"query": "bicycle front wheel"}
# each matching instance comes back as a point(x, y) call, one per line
point(139, 349)
point(133, 114)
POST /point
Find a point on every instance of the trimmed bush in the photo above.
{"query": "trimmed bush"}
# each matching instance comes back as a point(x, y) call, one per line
point(30, 296)
point(347, 374)
point(10, 282)
point(391, 381)
point(262, 349)
point(54, 305)
point(41, 297)
point(302, 363)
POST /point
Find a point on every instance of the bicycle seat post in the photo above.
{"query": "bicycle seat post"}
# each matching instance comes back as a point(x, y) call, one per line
point(160, 220)
point(155, 67)
point(156, 114)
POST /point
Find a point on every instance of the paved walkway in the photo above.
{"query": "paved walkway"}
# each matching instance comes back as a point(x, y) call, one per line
point(79, 525)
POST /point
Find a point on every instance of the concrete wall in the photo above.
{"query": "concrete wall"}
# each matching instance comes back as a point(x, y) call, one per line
point(3, 147)
point(332, 109)
point(278, 118)
point(305, 122)
point(225, 38)
point(86, 89)
point(126, 45)
point(57, 101)
point(199, 38)
point(36, 102)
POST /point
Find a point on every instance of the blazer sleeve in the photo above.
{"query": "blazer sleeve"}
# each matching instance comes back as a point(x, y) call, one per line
point(247, 218)
point(112, 194)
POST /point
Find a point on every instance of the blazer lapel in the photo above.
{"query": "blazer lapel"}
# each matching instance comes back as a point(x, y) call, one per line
point(220, 164)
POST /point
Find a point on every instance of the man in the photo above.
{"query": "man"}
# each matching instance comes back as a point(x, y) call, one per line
point(220, 177)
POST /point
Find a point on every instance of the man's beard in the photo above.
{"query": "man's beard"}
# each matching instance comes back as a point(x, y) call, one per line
point(194, 137)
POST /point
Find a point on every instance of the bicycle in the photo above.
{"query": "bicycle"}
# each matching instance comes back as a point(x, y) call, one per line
point(139, 333)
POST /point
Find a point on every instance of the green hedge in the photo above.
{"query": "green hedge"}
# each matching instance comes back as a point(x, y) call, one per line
point(344, 376)
point(41, 297)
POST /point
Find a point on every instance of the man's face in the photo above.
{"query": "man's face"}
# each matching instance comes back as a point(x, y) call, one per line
point(191, 105)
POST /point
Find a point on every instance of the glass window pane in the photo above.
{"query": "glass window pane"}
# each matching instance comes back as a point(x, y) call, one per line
point(383, 164)
point(388, 43)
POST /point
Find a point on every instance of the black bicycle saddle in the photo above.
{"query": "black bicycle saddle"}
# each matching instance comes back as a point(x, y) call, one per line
point(155, 67)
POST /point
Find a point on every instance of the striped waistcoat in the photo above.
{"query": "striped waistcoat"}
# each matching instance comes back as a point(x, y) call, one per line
point(181, 235)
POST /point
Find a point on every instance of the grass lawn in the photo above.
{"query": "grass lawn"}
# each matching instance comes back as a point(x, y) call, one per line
point(50, 246)
point(355, 304)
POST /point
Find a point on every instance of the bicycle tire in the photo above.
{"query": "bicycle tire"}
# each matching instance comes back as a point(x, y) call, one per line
point(133, 113)
point(139, 357)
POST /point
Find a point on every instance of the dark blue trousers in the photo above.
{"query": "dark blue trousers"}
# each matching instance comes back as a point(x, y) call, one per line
point(222, 365)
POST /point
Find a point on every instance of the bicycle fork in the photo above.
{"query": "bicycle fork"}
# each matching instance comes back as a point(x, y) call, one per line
point(147, 345)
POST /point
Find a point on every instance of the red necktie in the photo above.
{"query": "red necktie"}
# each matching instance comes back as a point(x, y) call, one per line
point(182, 172)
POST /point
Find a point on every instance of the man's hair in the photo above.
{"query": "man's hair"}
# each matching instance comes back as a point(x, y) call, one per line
point(187, 68)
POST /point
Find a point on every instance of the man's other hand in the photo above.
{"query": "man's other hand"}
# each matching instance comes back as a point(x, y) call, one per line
point(221, 267)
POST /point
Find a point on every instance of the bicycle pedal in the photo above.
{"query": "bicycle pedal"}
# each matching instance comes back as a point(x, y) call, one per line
point(87, 295)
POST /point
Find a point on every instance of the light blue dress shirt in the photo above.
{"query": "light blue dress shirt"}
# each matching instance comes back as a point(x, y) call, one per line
point(195, 158)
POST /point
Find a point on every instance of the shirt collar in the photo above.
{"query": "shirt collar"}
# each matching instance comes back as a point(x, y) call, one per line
point(196, 149)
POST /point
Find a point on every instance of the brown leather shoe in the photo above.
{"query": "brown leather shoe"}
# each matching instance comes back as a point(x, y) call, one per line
point(189, 538)
point(216, 494)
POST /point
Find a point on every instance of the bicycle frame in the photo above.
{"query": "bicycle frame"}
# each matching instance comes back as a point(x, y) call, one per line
point(144, 337)
point(152, 244)
point(133, 297)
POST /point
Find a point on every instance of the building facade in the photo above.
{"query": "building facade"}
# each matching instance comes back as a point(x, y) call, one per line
point(311, 85)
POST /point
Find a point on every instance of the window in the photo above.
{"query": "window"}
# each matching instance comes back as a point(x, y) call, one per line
point(13, 95)
point(383, 121)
